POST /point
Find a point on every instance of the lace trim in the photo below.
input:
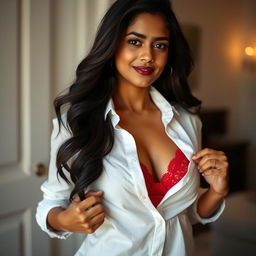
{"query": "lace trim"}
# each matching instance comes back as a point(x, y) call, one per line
point(177, 169)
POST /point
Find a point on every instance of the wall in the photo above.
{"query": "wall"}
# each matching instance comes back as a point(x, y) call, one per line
point(226, 27)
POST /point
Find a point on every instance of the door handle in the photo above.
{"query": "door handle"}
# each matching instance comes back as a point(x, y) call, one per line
point(41, 169)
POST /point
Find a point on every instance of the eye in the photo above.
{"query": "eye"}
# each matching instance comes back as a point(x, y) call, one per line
point(134, 42)
point(161, 46)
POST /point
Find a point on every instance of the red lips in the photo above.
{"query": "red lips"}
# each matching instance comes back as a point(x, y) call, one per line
point(145, 71)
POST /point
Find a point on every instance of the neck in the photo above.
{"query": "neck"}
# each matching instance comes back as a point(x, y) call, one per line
point(132, 99)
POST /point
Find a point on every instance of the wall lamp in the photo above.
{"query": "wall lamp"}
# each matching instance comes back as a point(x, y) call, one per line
point(250, 58)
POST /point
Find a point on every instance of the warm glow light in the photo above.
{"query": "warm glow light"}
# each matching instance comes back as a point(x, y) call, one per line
point(250, 51)
point(249, 62)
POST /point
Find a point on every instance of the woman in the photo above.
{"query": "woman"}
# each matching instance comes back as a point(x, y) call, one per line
point(128, 151)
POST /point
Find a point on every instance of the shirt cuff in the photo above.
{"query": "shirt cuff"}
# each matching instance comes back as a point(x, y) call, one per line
point(43, 209)
point(195, 217)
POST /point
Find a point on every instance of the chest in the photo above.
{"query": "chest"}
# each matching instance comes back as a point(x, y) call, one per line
point(154, 147)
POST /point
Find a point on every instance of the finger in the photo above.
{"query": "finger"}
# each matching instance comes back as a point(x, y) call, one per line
point(215, 172)
point(95, 221)
point(87, 215)
point(214, 164)
point(92, 224)
point(88, 202)
point(94, 210)
point(210, 164)
point(76, 199)
point(96, 226)
point(87, 194)
point(206, 151)
point(94, 193)
point(211, 157)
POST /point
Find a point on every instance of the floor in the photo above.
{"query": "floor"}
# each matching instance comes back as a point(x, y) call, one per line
point(202, 243)
point(202, 237)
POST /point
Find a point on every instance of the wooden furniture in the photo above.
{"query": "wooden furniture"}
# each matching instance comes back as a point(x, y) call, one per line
point(213, 136)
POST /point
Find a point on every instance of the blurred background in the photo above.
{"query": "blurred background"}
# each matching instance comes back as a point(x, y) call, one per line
point(41, 44)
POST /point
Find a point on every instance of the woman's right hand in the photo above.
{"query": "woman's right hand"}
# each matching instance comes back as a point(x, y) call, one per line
point(80, 216)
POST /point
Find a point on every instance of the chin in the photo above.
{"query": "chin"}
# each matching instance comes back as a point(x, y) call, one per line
point(143, 84)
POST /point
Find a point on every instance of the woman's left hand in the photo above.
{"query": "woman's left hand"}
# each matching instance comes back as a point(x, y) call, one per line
point(213, 165)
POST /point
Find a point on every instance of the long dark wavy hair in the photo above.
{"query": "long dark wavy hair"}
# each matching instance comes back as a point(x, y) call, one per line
point(93, 134)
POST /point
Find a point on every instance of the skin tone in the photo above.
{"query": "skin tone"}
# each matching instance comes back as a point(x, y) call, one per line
point(146, 46)
point(139, 61)
point(80, 216)
point(213, 166)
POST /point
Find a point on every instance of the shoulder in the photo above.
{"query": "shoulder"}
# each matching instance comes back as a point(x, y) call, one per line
point(61, 130)
point(188, 118)
point(192, 125)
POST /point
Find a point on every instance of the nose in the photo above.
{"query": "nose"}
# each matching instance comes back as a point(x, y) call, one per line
point(146, 54)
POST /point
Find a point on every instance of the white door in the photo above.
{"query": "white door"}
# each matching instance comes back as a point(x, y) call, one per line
point(24, 122)
point(41, 42)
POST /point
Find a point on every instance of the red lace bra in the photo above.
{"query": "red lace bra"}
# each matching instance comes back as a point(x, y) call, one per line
point(177, 169)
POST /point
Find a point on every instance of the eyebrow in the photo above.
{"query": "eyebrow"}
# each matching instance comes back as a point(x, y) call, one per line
point(160, 38)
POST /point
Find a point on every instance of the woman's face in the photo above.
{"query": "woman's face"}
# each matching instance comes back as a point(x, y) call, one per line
point(143, 52)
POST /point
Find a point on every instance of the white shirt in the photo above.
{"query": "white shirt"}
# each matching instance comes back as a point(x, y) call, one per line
point(133, 226)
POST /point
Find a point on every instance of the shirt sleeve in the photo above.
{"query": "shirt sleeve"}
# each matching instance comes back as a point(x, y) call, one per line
point(195, 217)
point(55, 190)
